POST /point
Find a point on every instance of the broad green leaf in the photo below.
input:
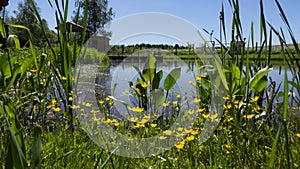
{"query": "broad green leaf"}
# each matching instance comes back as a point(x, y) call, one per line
point(156, 80)
point(256, 79)
point(171, 78)
point(158, 97)
point(36, 148)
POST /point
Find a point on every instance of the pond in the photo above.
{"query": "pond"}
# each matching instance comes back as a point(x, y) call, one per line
point(119, 73)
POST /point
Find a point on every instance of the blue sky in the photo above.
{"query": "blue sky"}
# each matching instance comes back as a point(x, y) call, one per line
point(200, 13)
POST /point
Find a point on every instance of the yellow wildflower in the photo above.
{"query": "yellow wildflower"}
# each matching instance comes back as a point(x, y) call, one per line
point(254, 99)
point(132, 119)
point(145, 85)
point(226, 98)
point(136, 109)
point(179, 128)
point(153, 125)
point(108, 121)
point(95, 111)
point(227, 106)
point(162, 137)
point(56, 109)
point(101, 101)
point(214, 116)
point(205, 115)
point(63, 78)
point(228, 146)
point(297, 135)
point(116, 124)
point(73, 106)
point(175, 102)
point(200, 110)
point(191, 112)
point(125, 92)
point(248, 116)
point(190, 138)
point(196, 100)
point(198, 78)
point(88, 104)
point(220, 128)
point(166, 104)
point(180, 145)
point(53, 101)
point(178, 96)
point(195, 132)
point(33, 70)
point(107, 98)
point(70, 99)
point(168, 132)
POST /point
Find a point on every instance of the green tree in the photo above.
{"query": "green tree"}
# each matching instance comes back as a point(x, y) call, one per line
point(25, 16)
point(98, 14)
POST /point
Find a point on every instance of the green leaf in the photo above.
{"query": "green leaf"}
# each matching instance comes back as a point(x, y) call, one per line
point(171, 78)
point(158, 97)
point(156, 80)
point(256, 79)
point(36, 148)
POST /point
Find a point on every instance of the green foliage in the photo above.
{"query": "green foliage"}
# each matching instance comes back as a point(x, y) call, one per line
point(98, 14)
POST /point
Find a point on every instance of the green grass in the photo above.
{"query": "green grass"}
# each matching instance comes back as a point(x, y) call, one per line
point(36, 86)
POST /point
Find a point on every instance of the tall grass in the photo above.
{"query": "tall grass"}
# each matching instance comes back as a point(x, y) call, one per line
point(39, 129)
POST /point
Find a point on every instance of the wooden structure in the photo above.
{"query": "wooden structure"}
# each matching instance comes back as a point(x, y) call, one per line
point(76, 29)
point(237, 47)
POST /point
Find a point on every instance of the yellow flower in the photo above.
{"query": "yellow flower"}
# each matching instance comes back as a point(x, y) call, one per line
point(63, 78)
point(53, 101)
point(180, 129)
point(107, 98)
point(196, 100)
point(201, 110)
point(116, 124)
point(125, 92)
point(153, 125)
point(43, 82)
point(136, 109)
point(101, 101)
point(190, 138)
point(95, 111)
point(220, 128)
point(256, 108)
point(132, 119)
point(214, 116)
point(132, 86)
point(226, 98)
point(56, 109)
point(108, 121)
point(227, 106)
point(248, 116)
point(175, 102)
point(198, 78)
point(180, 145)
point(191, 112)
point(145, 85)
point(254, 99)
point(178, 96)
point(166, 104)
point(168, 132)
point(195, 132)
point(228, 146)
point(205, 116)
point(162, 137)
point(297, 135)
point(73, 106)
point(88, 104)
point(70, 99)
point(33, 70)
